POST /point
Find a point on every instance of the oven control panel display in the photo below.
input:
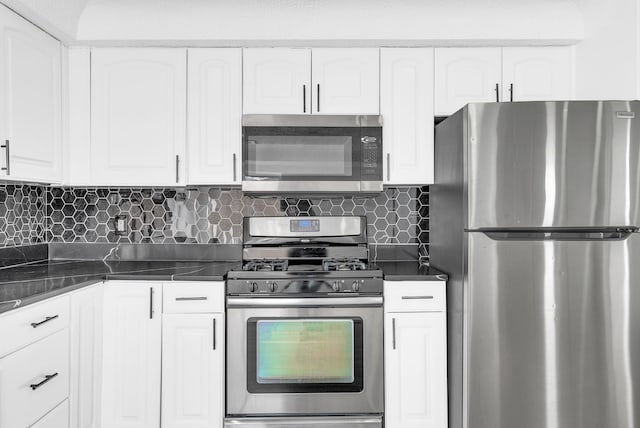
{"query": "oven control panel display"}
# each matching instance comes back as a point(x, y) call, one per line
point(304, 225)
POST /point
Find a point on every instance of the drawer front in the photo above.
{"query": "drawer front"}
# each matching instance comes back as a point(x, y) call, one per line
point(32, 323)
point(57, 418)
point(189, 298)
point(415, 296)
point(34, 380)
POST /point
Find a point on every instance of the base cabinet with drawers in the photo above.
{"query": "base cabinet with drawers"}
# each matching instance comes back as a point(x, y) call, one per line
point(415, 349)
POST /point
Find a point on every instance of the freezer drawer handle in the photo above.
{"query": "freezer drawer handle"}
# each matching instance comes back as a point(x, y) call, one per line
point(46, 320)
point(417, 297)
point(617, 234)
point(182, 299)
point(47, 378)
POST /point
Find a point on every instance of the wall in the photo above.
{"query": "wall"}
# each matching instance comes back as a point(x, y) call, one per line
point(22, 215)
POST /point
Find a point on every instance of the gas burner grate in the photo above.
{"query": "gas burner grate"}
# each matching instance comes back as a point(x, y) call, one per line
point(266, 265)
point(343, 264)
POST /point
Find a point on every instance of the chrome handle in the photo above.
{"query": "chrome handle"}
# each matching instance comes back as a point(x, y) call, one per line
point(177, 168)
point(304, 98)
point(497, 93)
point(182, 299)
point(151, 303)
point(235, 160)
point(47, 378)
point(46, 320)
point(318, 98)
point(214, 334)
point(393, 332)
point(511, 92)
point(6, 153)
point(417, 297)
point(275, 302)
point(388, 166)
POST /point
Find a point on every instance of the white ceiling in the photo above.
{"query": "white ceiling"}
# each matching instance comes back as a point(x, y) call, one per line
point(306, 22)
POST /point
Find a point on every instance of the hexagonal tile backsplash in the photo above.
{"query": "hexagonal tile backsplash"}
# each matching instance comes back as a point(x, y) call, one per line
point(201, 215)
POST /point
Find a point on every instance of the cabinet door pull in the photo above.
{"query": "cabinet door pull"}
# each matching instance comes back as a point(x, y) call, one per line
point(177, 168)
point(417, 297)
point(235, 159)
point(393, 332)
point(214, 334)
point(511, 92)
point(46, 320)
point(47, 378)
point(318, 98)
point(151, 303)
point(497, 93)
point(5, 146)
point(388, 166)
point(304, 98)
point(181, 299)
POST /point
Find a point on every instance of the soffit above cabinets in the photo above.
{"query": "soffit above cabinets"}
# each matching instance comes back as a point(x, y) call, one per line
point(307, 22)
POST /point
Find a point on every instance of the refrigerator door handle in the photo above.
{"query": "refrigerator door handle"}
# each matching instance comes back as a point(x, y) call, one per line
point(616, 234)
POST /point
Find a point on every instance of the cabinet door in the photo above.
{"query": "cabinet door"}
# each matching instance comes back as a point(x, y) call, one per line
point(346, 81)
point(138, 116)
point(215, 116)
point(415, 370)
point(276, 81)
point(406, 105)
point(131, 355)
point(192, 371)
point(466, 75)
point(537, 74)
point(57, 418)
point(86, 359)
point(30, 102)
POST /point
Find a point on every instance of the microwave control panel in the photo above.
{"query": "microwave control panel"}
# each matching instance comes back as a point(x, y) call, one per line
point(371, 153)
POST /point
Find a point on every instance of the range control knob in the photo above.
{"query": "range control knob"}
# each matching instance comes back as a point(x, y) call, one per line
point(253, 287)
point(336, 286)
point(355, 286)
point(273, 286)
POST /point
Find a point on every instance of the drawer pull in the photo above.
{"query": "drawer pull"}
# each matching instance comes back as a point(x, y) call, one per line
point(182, 299)
point(47, 378)
point(393, 330)
point(46, 320)
point(214, 334)
point(417, 297)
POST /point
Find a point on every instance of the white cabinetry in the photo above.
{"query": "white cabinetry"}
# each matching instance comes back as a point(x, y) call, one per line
point(138, 116)
point(132, 354)
point(346, 81)
point(30, 101)
point(86, 357)
point(214, 116)
point(415, 354)
point(193, 356)
point(468, 75)
point(302, 81)
point(406, 105)
point(57, 418)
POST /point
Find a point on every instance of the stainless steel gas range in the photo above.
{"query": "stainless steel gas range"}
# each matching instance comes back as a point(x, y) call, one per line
point(304, 326)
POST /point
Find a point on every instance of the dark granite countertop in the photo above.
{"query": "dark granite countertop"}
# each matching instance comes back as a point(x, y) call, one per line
point(402, 270)
point(30, 283)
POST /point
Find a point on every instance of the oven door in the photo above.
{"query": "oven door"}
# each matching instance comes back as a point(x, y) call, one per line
point(320, 356)
point(296, 159)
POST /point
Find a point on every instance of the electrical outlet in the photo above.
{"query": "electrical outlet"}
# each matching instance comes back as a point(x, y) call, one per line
point(120, 224)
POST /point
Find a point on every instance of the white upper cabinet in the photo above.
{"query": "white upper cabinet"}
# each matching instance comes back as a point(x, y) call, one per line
point(30, 101)
point(138, 116)
point(214, 142)
point(277, 81)
point(406, 105)
point(346, 81)
point(466, 75)
point(537, 74)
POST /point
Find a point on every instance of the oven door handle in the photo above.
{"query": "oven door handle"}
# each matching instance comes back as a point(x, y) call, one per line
point(304, 302)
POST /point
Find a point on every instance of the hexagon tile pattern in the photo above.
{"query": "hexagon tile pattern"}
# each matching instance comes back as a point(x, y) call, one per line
point(214, 215)
point(22, 215)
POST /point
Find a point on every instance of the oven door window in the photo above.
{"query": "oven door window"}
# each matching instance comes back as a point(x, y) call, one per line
point(304, 355)
point(327, 154)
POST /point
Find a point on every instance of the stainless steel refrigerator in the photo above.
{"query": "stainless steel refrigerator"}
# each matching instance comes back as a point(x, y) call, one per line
point(534, 215)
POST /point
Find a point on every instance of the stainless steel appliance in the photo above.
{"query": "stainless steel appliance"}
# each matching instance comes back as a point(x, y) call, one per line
point(534, 216)
point(305, 325)
point(311, 153)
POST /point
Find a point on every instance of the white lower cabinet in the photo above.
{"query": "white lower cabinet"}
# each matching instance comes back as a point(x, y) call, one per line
point(415, 356)
point(57, 418)
point(131, 354)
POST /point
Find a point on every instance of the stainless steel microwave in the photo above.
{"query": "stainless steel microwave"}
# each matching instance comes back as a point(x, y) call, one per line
point(311, 154)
